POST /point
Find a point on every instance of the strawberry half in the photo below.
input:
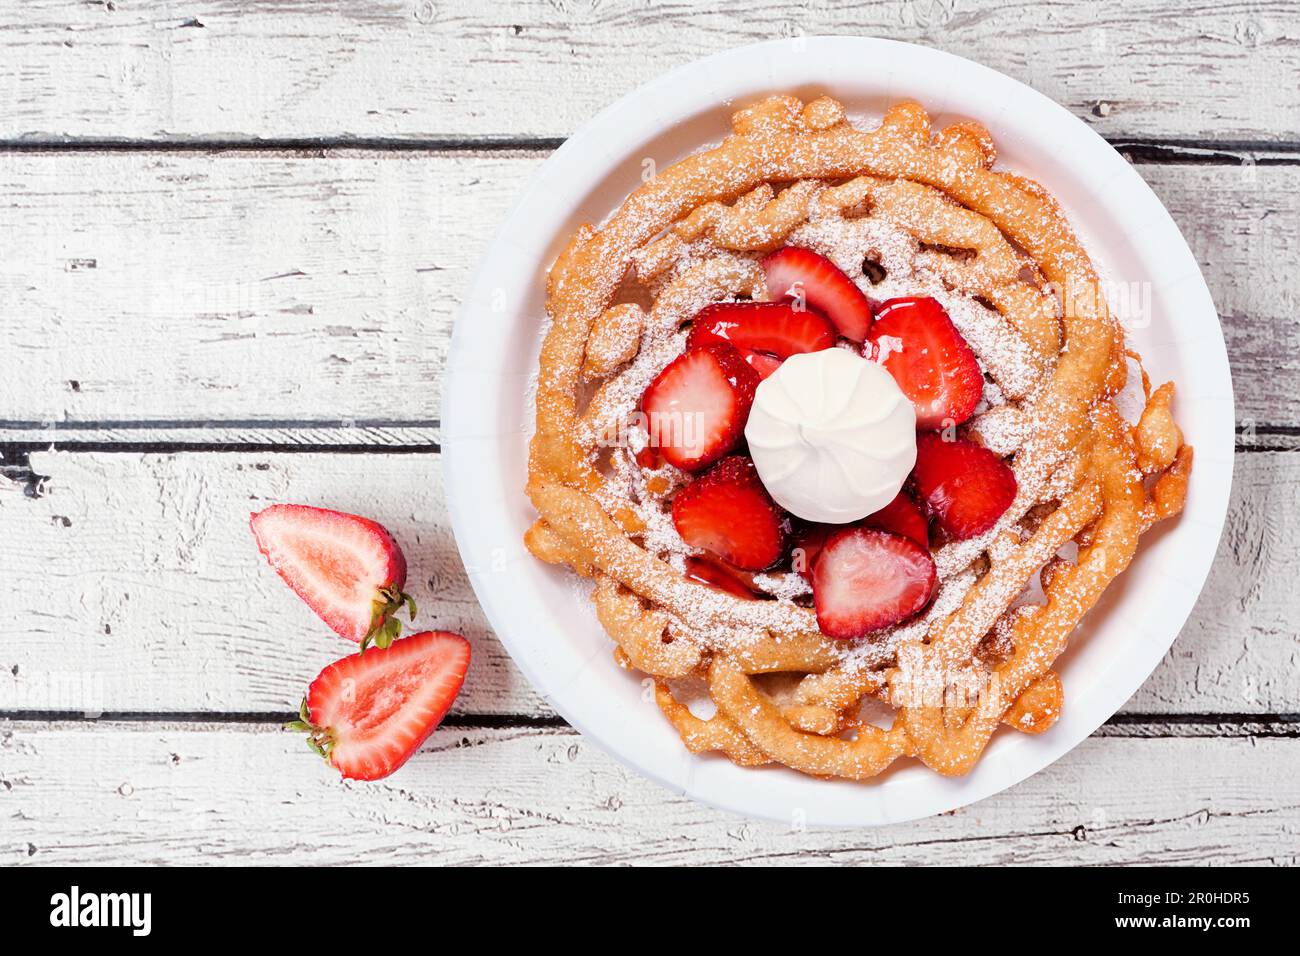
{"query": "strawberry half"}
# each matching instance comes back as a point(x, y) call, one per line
point(728, 512)
point(718, 575)
point(367, 714)
point(697, 406)
point(901, 516)
point(802, 274)
point(866, 579)
point(963, 484)
point(349, 570)
point(775, 328)
point(934, 366)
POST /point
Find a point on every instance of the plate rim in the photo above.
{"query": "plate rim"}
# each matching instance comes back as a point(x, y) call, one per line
point(462, 479)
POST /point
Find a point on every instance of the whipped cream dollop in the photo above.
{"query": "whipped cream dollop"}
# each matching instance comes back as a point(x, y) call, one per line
point(832, 436)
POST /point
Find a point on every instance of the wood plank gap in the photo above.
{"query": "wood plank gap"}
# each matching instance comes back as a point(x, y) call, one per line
point(306, 148)
point(1152, 726)
point(1190, 152)
point(259, 718)
point(16, 450)
point(1154, 152)
point(160, 423)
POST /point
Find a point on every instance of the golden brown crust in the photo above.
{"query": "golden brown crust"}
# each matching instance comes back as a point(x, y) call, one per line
point(692, 234)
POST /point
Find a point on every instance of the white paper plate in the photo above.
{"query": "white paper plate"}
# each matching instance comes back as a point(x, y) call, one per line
point(539, 612)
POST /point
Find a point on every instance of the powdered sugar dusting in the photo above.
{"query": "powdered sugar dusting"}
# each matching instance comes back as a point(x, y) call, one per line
point(701, 275)
point(681, 276)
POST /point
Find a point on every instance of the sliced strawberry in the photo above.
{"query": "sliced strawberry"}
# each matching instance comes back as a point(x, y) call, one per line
point(650, 459)
point(918, 345)
point(866, 579)
point(728, 511)
point(804, 275)
point(963, 484)
point(807, 545)
point(718, 575)
point(777, 328)
point(349, 570)
point(901, 516)
point(697, 406)
point(366, 714)
point(761, 362)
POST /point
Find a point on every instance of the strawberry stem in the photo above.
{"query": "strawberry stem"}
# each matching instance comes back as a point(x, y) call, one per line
point(384, 625)
point(320, 740)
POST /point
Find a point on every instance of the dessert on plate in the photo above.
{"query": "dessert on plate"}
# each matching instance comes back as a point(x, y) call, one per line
point(828, 415)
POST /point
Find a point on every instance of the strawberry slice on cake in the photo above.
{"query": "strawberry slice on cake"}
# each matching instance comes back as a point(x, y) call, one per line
point(776, 328)
point(865, 579)
point(729, 513)
point(918, 345)
point(721, 576)
point(809, 278)
point(963, 485)
point(696, 408)
point(901, 517)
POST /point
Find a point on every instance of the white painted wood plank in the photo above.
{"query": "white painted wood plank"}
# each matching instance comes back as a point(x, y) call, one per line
point(436, 68)
point(185, 286)
point(134, 580)
point(231, 795)
point(163, 602)
point(245, 287)
point(1240, 223)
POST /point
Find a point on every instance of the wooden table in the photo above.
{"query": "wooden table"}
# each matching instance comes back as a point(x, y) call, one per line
point(232, 240)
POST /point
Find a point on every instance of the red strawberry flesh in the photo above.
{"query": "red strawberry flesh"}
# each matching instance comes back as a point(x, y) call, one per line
point(375, 710)
point(901, 516)
point(809, 277)
point(339, 564)
point(696, 408)
point(962, 484)
point(918, 345)
point(727, 512)
point(808, 544)
point(776, 328)
point(866, 579)
point(718, 575)
point(649, 459)
point(761, 362)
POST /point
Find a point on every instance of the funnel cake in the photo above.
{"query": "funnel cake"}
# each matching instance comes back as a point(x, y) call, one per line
point(902, 210)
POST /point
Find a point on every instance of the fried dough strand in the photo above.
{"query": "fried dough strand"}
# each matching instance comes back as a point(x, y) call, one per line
point(1045, 336)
